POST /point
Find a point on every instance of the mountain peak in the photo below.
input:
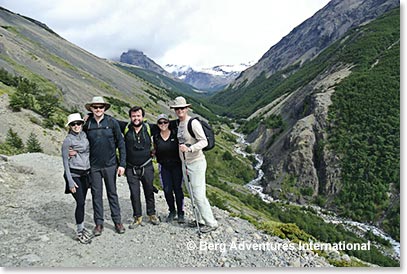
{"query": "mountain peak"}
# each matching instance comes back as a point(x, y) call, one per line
point(138, 58)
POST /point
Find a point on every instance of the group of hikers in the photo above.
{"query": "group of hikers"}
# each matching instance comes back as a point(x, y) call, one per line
point(89, 158)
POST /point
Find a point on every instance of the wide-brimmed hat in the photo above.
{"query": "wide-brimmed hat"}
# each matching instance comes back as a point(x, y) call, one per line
point(74, 117)
point(97, 100)
point(180, 102)
point(162, 117)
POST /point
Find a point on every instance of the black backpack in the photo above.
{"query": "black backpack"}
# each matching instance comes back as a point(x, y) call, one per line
point(210, 135)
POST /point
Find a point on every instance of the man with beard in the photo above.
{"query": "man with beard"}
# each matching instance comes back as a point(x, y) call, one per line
point(139, 166)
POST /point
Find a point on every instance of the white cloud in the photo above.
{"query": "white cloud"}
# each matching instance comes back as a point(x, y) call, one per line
point(190, 32)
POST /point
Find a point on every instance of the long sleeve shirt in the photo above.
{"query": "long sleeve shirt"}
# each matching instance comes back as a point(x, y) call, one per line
point(104, 137)
point(195, 145)
point(79, 143)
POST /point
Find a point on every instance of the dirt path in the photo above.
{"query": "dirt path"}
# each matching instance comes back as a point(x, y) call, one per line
point(37, 229)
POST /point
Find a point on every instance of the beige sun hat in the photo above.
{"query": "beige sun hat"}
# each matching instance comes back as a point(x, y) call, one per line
point(180, 102)
point(74, 117)
point(97, 100)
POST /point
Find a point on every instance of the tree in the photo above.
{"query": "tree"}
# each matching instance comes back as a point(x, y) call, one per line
point(47, 104)
point(33, 145)
point(13, 140)
point(227, 156)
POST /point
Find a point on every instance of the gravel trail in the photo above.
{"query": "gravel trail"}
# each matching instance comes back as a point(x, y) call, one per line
point(37, 229)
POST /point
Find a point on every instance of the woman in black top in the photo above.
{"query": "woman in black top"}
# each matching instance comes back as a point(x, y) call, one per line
point(170, 169)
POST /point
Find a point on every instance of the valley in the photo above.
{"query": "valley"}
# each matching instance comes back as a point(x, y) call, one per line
point(307, 139)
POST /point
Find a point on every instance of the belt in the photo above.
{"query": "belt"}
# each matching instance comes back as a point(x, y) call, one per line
point(144, 164)
point(139, 170)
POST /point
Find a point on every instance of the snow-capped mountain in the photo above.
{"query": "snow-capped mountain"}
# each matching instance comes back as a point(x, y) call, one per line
point(208, 79)
point(203, 79)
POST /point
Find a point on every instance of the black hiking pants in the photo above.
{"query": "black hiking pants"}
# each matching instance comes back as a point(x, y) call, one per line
point(80, 197)
point(107, 174)
point(144, 175)
point(171, 181)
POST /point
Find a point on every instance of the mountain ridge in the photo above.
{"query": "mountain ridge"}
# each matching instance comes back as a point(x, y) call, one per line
point(208, 79)
point(226, 176)
point(71, 69)
point(204, 80)
point(324, 27)
point(310, 154)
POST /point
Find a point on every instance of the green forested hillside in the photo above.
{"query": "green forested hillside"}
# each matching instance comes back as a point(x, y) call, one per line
point(371, 134)
point(365, 125)
point(364, 117)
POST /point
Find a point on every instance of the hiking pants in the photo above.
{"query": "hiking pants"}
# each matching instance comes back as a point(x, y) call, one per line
point(146, 177)
point(108, 174)
point(171, 181)
point(197, 188)
point(80, 197)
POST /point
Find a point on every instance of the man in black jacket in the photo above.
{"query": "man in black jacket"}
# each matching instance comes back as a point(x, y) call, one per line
point(103, 132)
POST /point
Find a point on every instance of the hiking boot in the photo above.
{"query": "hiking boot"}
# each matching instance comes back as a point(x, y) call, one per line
point(119, 228)
point(84, 237)
point(207, 229)
point(97, 231)
point(170, 217)
point(193, 224)
point(181, 218)
point(87, 233)
point(138, 221)
point(154, 220)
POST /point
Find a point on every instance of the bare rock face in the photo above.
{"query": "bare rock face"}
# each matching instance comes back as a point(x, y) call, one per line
point(138, 58)
point(302, 151)
point(300, 162)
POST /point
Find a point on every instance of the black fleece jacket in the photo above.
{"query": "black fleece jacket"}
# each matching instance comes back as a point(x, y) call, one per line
point(104, 138)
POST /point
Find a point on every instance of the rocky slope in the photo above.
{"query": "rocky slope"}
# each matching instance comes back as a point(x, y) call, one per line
point(20, 122)
point(311, 37)
point(295, 151)
point(37, 229)
point(30, 49)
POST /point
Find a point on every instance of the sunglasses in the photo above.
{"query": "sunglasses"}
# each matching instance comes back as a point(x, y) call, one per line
point(76, 124)
point(181, 108)
point(162, 122)
point(98, 107)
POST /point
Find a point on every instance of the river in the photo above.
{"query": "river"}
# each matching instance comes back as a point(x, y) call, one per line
point(329, 217)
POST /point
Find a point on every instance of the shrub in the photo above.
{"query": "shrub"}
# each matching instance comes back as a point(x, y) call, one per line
point(227, 156)
point(33, 145)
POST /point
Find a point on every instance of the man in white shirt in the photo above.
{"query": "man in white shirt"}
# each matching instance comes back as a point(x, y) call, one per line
point(194, 164)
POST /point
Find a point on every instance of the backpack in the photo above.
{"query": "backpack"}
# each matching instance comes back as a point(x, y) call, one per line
point(210, 135)
point(126, 129)
point(147, 126)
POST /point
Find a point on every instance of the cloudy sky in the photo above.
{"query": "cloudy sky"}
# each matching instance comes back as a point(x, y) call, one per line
point(200, 33)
